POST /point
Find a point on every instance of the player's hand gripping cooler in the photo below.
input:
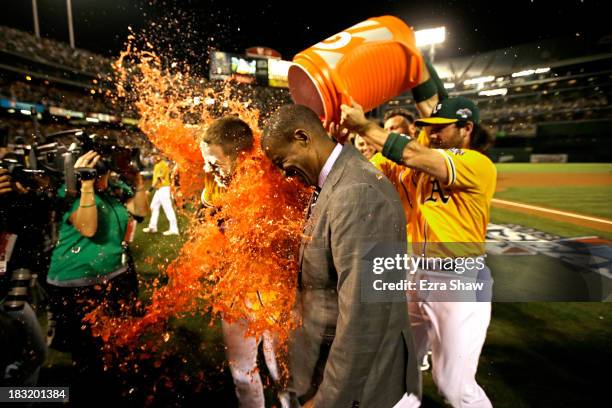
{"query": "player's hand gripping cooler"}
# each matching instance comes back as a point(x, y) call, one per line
point(368, 63)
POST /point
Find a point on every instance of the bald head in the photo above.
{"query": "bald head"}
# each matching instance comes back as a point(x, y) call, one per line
point(296, 142)
point(286, 120)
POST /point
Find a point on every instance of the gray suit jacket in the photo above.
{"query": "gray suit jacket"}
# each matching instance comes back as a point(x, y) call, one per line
point(350, 352)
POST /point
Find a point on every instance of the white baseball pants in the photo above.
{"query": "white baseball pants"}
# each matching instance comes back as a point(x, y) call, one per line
point(241, 352)
point(162, 198)
point(456, 332)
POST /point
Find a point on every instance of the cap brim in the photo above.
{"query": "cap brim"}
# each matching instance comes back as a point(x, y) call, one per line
point(434, 121)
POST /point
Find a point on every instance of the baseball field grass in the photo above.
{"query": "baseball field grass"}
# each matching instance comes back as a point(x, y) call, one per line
point(554, 168)
point(587, 200)
point(583, 189)
point(563, 229)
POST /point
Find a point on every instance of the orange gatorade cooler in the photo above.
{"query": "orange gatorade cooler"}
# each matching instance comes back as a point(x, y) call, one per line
point(369, 63)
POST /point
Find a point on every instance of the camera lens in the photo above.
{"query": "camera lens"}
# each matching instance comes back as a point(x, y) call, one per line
point(18, 294)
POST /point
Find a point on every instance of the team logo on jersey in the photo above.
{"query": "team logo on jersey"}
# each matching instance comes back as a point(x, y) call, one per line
point(464, 113)
point(437, 190)
point(456, 151)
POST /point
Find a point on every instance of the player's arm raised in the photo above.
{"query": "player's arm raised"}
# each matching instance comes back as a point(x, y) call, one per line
point(429, 91)
point(411, 154)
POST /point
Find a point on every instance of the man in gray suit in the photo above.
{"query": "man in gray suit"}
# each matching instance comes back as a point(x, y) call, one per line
point(353, 349)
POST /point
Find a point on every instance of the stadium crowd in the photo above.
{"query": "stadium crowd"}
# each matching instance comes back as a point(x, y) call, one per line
point(52, 52)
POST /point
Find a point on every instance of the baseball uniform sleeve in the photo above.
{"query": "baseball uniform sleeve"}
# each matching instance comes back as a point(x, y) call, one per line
point(467, 169)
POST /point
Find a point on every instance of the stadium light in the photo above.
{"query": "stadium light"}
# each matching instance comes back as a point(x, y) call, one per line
point(494, 92)
point(523, 73)
point(430, 37)
point(478, 80)
point(92, 120)
point(449, 85)
point(530, 72)
point(442, 74)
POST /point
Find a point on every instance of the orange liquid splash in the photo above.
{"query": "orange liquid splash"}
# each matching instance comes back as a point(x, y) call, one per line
point(247, 269)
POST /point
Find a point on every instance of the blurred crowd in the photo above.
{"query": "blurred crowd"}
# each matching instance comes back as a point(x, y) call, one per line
point(52, 52)
point(47, 94)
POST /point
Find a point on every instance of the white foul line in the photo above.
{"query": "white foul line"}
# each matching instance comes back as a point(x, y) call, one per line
point(548, 210)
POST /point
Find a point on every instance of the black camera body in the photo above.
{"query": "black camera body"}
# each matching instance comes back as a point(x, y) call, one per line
point(19, 171)
point(62, 149)
point(119, 159)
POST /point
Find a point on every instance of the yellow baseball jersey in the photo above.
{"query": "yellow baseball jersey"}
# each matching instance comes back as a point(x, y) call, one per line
point(161, 174)
point(399, 176)
point(457, 212)
point(255, 301)
point(211, 190)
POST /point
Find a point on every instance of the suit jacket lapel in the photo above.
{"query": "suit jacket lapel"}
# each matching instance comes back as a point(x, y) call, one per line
point(332, 179)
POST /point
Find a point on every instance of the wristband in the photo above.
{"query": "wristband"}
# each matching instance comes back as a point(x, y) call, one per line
point(87, 191)
point(433, 86)
point(87, 206)
point(393, 148)
point(424, 91)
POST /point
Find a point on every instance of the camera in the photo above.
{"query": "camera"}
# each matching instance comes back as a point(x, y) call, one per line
point(18, 294)
point(19, 171)
point(62, 149)
point(119, 159)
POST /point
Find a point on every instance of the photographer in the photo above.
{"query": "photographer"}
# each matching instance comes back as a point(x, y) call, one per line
point(23, 349)
point(91, 265)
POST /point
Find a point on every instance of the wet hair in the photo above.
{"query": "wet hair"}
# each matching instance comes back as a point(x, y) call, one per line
point(231, 133)
point(480, 139)
point(286, 120)
point(399, 112)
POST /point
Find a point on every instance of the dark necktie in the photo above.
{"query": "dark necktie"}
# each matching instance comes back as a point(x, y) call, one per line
point(313, 201)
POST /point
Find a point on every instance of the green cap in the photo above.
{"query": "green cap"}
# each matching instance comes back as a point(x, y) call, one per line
point(452, 110)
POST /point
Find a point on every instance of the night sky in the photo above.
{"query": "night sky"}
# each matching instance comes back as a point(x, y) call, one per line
point(190, 26)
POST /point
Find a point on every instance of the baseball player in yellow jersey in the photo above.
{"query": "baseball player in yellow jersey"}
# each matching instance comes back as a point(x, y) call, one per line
point(162, 197)
point(221, 144)
point(400, 121)
point(446, 187)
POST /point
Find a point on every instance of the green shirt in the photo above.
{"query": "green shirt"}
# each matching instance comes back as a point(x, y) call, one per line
point(83, 261)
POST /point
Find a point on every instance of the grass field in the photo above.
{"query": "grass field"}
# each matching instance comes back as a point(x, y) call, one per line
point(537, 354)
point(590, 200)
point(554, 167)
point(587, 200)
point(502, 216)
